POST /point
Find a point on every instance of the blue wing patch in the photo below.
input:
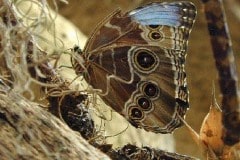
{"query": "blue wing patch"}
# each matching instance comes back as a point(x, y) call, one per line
point(174, 14)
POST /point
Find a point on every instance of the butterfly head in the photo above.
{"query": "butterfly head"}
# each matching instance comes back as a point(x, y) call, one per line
point(76, 49)
point(78, 61)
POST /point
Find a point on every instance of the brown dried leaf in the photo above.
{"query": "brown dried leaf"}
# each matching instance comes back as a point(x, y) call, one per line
point(211, 130)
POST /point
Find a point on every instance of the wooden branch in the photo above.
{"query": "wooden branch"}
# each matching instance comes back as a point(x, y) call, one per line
point(30, 132)
point(228, 79)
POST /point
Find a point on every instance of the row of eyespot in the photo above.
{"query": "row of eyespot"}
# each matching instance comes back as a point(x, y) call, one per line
point(144, 102)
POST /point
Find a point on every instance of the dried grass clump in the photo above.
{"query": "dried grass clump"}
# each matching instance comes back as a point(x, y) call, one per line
point(29, 131)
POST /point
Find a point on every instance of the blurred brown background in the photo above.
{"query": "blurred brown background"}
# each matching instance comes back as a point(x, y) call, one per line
point(200, 67)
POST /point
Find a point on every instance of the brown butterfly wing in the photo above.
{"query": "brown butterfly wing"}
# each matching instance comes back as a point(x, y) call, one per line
point(140, 68)
point(127, 85)
point(118, 28)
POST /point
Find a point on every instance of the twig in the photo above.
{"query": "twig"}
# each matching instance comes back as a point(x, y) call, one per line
point(228, 80)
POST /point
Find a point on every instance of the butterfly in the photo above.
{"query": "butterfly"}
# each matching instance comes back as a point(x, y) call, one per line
point(136, 60)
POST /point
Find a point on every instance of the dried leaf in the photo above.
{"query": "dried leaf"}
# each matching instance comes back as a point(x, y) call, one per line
point(211, 130)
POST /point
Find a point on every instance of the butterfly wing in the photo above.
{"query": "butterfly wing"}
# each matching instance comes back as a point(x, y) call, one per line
point(137, 60)
point(173, 22)
point(149, 97)
point(167, 24)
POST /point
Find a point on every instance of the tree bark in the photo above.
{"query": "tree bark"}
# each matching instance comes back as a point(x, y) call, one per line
point(30, 132)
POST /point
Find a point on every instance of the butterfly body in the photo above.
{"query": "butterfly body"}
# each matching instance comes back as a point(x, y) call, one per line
point(137, 62)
